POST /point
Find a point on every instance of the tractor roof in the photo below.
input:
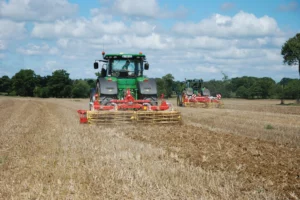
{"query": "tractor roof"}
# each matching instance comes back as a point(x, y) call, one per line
point(124, 55)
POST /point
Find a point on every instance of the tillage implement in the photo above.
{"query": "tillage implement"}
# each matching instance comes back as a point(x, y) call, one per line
point(195, 94)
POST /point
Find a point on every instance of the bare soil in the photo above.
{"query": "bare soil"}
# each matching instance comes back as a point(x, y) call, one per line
point(248, 150)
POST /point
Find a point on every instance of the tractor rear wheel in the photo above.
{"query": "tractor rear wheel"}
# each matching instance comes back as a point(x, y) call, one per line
point(98, 88)
point(153, 100)
point(179, 100)
point(92, 94)
point(106, 100)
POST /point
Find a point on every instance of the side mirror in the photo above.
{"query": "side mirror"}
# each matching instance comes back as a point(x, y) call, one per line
point(96, 66)
point(146, 66)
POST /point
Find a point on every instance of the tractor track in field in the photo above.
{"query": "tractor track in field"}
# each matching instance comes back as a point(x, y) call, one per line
point(42, 137)
point(259, 164)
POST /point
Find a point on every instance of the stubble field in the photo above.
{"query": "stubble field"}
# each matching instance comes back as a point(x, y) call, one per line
point(248, 150)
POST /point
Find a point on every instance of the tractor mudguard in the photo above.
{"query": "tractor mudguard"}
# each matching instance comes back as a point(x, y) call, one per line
point(108, 87)
point(148, 87)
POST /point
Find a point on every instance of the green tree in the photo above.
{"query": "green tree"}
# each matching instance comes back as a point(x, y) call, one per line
point(5, 84)
point(42, 81)
point(91, 82)
point(67, 92)
point(98, 74)
point(81, 89)
point(168, 84)
point(291, 51)
point(218, 87)
point(160, 87)
point(24, 82)
point(267, 86)
point(285, 81)
point(255, 91)
point(178, 86)
point(42, 92)
point(291, 90)
point(291, 55)
point(242, 92)
point(60, 84)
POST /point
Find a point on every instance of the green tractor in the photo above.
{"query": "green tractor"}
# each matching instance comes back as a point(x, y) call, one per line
point(122, 72)
point(124, 94)
point(196, 95)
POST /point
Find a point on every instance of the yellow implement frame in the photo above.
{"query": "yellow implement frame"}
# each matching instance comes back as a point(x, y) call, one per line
point(145, 117)
point(204, 105)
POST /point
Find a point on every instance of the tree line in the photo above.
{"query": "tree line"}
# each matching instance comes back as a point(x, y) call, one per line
point(245, 87)
point(28, 84)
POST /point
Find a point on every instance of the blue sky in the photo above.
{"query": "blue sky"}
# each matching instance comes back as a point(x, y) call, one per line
point(189, 39)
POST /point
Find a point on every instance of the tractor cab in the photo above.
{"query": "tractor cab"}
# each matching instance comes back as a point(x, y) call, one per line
point(194, 86)
point(123, 65)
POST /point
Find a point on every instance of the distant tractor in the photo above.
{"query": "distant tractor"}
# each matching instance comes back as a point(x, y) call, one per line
point(195, 95)
point(124, 95)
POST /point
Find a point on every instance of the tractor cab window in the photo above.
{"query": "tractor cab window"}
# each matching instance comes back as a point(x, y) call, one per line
point(131, 66)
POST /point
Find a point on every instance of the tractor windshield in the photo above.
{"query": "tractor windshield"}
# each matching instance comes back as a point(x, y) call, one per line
point(132, 66)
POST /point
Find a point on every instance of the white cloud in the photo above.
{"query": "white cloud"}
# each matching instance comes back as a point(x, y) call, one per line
point(236, 53)
point(11, 30)
point(69, 57)
point(199, 55)
point(206, 69)
point(241, 25)
point(43, 49)
point(72, 47)
point(227, 6)
point(49, 67)
point(148, 9)
point(153, 41)
point(291, 6)
point(278, 41)
point(2, 45)
point(37, 10)
point(203, 42)
point(51, 64)
point(142, 28)
point(78, 28)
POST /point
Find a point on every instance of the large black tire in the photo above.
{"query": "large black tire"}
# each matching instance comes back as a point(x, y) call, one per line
point(106, 101)
point(98, 88)
point(92, 93)
point(179, 100)
point(153, 100)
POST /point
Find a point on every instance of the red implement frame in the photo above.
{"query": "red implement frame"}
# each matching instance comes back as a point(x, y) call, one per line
point(129, 103)
point(200, 99)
